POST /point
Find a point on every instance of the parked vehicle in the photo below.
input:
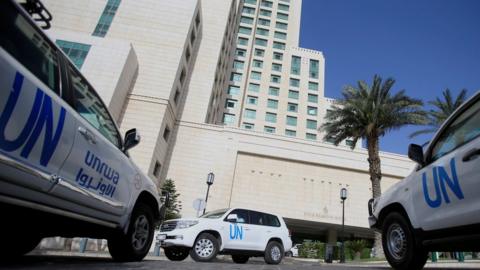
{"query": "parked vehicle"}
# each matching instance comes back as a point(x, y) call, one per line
point(436, 207)
point(64, 168)
point(294, 250)
point(238, 232)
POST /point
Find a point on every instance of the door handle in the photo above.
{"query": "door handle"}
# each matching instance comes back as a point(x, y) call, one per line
point(269, 231)
point(87, 135)
point(471, 155)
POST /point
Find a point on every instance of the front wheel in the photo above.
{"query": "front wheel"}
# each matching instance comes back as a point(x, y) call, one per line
point(274, 253)
point(205, 248)
point(176, 254)
point(134, 245)
point(399, 244)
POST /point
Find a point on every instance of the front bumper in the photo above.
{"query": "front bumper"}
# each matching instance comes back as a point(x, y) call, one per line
point(372, 219)
point(177, 238)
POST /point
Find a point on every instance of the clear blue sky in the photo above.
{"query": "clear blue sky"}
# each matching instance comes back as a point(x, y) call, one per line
point(425, 45)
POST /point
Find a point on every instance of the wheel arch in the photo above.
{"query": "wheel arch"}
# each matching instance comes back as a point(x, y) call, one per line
point(215, 233)
point(275, 239)
point(147, 198)
point(393, 207)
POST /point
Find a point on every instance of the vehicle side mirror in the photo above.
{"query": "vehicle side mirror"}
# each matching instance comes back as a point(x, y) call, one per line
point(232, 218)
point(166, 199)
point(132, 138)
point(415, 153)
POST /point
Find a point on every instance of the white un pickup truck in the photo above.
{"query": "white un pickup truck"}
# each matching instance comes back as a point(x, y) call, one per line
point(436, 207)
point(64, 168)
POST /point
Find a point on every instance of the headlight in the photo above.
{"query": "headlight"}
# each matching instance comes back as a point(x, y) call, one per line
point(183, 224)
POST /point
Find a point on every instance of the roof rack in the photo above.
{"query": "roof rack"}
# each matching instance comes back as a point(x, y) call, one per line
point(38, 12)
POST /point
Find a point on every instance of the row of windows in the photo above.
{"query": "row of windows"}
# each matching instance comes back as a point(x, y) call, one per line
point(272, 104)
point(273, 91)
point(264, 12)
point(269, 4)
point(263, 22)
point(106, 18)
point(256, 75)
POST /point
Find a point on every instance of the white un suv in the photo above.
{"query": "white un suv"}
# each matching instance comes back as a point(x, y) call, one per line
point(64, 168)
point(436, 207)
point(239, 232)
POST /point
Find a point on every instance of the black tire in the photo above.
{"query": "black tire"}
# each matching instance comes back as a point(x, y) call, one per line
point(176, 253)
point(274, 253)
point(16, 244)
point(134, 245)
point(240, 258)
point(399, 244)
point(288, 254)
point(205, 248)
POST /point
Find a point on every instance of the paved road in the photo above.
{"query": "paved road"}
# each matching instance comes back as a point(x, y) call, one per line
point(105, 263)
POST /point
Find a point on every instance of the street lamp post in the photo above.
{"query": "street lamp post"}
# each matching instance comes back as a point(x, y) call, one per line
point(343, 196)
point(210, 178)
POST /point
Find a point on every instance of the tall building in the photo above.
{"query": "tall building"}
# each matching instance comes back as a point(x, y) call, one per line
point(221, 86)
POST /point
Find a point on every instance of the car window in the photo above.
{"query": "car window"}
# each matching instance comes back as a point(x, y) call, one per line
point(462, 130)
point(242, 215)
point(272, 220)
point(89, 105)
point(215, 214)
point(28, 46)
point(257, 218)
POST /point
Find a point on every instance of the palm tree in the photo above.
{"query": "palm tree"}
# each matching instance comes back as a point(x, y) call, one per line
point(443, 109)
point(368, 113)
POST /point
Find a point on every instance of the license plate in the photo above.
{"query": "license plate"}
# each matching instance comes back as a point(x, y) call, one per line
point(161, 237)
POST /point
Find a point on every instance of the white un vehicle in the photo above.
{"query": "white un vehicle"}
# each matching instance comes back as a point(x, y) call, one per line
point(64, 168)
point(437, 207)
point(239, 232)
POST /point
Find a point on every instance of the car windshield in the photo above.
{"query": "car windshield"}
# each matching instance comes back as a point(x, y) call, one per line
point(215, 214)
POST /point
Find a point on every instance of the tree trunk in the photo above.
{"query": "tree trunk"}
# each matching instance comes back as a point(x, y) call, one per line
point(375, 176)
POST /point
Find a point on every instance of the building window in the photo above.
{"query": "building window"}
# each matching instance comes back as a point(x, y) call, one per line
point(272, 103)
point(292, 94)
point(292, 107)
point(264, 22)
point(313, 86)
point(266, 13)
point(283, 7)
point(271, 117)
point(267, 4)
point(166, 133)
point(296, 63)
point(273, 91)
point(248, 10)
point(278, 56)
point(106, 18)
point(238, 64)
point(228, 119)
point(330, 139)
point(252, 100)
point(235, 77)
point(262, 32)
point(240, 52)
point(314, 69)
point(242, 41)
point(230, 103)
point(311, 124)
point(254, 87)
point(312, 110)
point(278, 45)
point(294, 82)
point(277, 67)
point(233, 90)
point(250, 114)
point(259, 52)
point(248, 126)
point(281, 25)
point(176, 96)
point(76, 52)
point(280, 35)
point(291, 133)
point(349, 143)
point(291, 120)
point(246, 20)
point(251, 2)
point(311, 136)
point(275, 79)
point(245, 30)
point(261, 42)
point(257, 64)
point(182, 76)
point(312, 98)
point(254, 75)
point(282, 16)
point(156, 169)
point(268, 129)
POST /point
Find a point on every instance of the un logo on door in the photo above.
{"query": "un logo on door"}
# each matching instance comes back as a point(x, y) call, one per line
point(441, 180)
point(236, 232)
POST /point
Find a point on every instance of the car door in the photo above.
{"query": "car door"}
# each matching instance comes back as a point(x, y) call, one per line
point(260, 230)
point(237, 235)
point(447, 188)
point(36, 129)
point(97, 174)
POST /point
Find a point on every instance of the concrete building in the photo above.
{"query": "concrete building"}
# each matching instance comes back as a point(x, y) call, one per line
point(221, 86)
